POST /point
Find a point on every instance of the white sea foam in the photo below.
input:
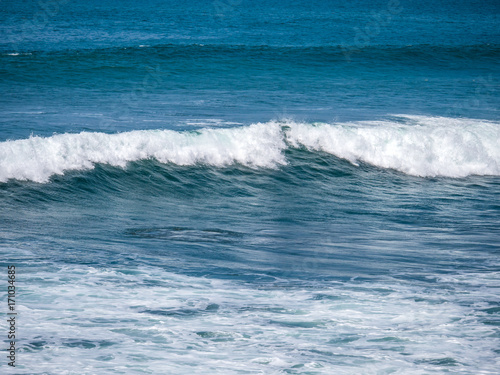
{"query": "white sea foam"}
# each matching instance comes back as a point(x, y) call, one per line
point(17, 54)
point(38, 158)
point(420, 146)
point(416, 145)
point(214, 326)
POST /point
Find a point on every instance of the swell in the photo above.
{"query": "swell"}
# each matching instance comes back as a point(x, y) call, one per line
point(477, 49)
point(415, 145)
point(177, 64)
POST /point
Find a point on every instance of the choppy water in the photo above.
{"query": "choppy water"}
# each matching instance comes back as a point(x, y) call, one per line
point(252, 188)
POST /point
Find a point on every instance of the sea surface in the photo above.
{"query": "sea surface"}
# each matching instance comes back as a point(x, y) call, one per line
point(251, 187)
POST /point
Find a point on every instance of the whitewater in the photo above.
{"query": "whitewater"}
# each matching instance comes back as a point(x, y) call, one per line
point(415, 145)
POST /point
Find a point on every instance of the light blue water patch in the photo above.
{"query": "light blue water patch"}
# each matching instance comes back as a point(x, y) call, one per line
point(191, 324)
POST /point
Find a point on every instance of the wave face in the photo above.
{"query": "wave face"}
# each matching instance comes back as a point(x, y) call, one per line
point(414, 145)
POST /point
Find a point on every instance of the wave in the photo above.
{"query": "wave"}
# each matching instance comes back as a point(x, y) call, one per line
point(415, 145)
point(37, 158)
point(478, 50)
point(420, 146)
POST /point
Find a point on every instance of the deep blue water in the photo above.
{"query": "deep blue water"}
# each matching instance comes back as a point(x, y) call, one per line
point(236, 187)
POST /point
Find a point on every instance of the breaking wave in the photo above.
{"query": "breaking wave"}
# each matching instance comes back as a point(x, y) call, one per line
point(415, 145)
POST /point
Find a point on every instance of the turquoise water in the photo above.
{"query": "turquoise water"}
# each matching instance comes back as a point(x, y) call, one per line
point(237, 187)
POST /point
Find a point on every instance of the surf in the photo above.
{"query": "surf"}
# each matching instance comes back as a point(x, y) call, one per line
point(415, 145)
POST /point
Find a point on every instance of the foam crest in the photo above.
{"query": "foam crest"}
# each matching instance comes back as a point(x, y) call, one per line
point(38, 158)
point(419, 146)
point(415, 145)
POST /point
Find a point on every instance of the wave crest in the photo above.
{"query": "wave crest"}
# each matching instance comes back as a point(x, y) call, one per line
point(421, 146)
point(415, 145)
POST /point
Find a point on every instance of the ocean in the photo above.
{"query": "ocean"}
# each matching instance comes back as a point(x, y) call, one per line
point(250, 187)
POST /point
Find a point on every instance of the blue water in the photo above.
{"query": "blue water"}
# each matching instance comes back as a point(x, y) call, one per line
point(236, 187)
